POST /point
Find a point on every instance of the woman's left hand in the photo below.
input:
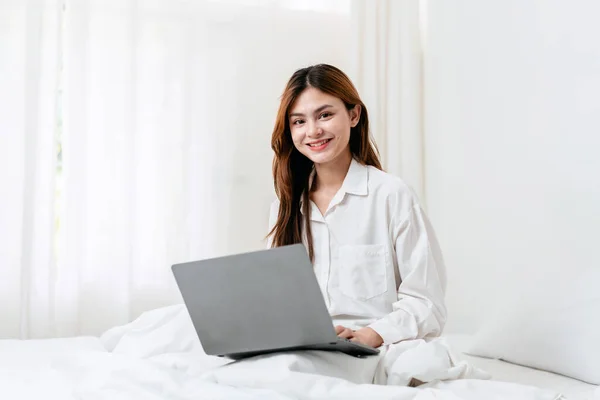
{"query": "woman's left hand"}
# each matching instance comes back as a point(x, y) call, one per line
point(367, 336)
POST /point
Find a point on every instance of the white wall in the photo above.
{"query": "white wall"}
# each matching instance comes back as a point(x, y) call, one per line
point(512, 123)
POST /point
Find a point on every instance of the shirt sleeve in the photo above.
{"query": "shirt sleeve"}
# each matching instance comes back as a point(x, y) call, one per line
point(420, 311)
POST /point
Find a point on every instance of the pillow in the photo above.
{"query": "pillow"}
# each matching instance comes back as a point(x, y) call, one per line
point(552, 327)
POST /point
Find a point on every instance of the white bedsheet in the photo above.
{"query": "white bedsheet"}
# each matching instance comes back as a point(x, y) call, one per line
point(506, 372)
point(158, 356)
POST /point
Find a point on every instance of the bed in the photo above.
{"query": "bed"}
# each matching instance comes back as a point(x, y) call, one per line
point(507, 372)
point(159, 356)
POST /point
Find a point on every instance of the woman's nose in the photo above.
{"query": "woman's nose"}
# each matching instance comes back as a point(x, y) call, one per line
point(314, 130)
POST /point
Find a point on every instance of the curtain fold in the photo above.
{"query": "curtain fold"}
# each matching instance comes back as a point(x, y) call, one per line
point(29, 62)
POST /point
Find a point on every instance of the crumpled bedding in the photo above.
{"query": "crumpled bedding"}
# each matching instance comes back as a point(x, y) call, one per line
point(158, 356)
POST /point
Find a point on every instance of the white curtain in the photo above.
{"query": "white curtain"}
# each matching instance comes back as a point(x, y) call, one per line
point(164, 111)
point(387, 66)
point(29, 36)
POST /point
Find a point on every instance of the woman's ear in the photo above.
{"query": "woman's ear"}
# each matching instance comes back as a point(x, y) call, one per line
point(355, 115)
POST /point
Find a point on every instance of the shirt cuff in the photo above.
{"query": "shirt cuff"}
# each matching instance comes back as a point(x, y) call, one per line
point(391, 333)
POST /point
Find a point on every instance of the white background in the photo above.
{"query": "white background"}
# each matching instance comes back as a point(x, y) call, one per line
point(512, 135)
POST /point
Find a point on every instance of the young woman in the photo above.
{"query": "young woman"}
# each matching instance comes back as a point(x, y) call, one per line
point(374, 253)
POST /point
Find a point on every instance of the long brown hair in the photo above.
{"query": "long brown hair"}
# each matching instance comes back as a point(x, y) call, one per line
point(291, 169)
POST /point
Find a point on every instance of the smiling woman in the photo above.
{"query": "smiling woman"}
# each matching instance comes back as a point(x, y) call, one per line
point(375, 255)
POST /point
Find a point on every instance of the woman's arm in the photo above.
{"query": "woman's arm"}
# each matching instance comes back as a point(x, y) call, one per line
point(420, 310)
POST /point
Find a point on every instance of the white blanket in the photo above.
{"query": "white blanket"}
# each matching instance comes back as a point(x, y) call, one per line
point(158, 356)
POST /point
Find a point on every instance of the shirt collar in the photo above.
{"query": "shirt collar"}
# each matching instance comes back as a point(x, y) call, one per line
point(356, 181)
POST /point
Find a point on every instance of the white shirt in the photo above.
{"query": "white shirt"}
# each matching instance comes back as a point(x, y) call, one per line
point(377, 260)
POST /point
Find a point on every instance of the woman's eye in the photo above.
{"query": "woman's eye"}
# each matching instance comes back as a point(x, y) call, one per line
point(298, 122)
point(325, 115)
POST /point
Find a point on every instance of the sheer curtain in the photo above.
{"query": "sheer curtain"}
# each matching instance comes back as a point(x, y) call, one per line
point(169, 107)
point(164, 110)
point(29, 60)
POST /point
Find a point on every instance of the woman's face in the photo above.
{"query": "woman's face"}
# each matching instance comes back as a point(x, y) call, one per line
point(320, 125)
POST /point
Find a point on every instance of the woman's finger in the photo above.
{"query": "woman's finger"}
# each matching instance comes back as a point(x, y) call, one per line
point(339, 329)
point(346, 333)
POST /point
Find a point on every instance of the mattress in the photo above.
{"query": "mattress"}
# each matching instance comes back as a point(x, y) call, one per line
point(507, 372)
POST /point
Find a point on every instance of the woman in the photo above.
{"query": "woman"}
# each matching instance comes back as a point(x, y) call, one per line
point(375, 255)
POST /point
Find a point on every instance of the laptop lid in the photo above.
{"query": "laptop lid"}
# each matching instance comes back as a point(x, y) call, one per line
point(256, 301)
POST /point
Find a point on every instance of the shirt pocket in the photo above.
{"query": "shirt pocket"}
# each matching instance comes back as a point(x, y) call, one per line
point(363, 272)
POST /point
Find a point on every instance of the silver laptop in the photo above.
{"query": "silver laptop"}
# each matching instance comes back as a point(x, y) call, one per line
point(260, 302)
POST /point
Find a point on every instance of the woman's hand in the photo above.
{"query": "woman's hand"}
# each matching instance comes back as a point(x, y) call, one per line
point(363, 335)
point(367, 336)
point(343, 332)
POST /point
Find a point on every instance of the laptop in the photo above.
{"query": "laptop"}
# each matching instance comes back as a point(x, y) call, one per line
point(260, 302)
